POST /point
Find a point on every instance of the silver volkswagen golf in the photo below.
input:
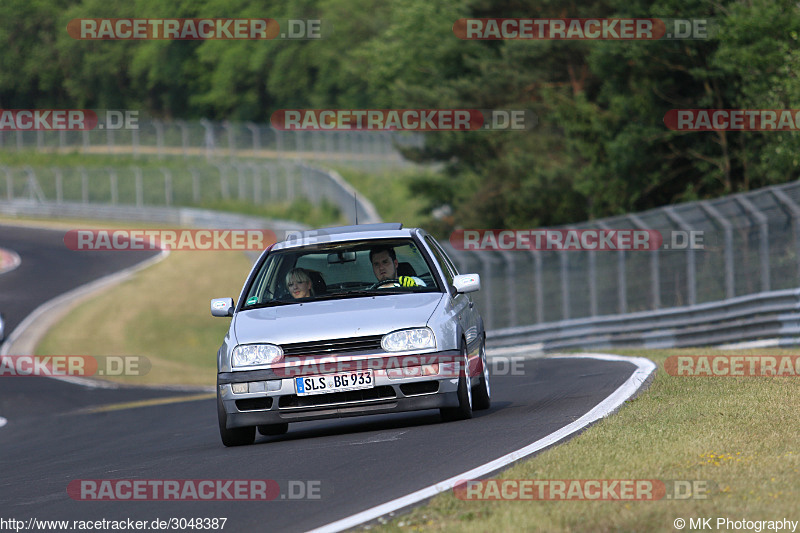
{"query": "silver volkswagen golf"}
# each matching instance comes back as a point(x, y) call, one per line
point(349, 321)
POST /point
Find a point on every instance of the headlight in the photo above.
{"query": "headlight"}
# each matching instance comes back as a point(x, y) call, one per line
point(408, 339)
point(256, 354)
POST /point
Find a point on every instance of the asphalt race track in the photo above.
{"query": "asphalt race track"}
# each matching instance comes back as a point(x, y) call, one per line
point(56, 433)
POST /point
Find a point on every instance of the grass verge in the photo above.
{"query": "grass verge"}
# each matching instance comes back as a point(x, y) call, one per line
point(161, 313)
point(739, 433)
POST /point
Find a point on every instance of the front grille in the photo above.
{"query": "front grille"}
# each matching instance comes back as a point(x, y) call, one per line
point(334, 346)
point(377, 393)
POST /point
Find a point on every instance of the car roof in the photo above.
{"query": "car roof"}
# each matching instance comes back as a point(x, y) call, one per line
point(386, 230)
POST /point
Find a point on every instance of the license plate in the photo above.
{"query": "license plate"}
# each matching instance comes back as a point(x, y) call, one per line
point(326, 383)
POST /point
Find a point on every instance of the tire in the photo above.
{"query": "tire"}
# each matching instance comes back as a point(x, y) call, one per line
point(274, 429)
point(235, 436)
point(464, 409)
point(482, 395)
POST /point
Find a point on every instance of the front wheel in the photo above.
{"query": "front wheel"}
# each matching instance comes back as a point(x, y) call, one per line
point(482, 396)
point(464, 409)
point(234, 436)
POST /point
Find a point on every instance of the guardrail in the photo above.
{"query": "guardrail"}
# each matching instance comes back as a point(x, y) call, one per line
point(771, 315)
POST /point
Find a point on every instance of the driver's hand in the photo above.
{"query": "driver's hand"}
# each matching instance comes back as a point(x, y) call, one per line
point(407, 281)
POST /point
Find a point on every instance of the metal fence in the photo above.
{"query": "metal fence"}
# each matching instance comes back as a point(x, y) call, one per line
point(256, 183)
point(751, 245)
point(219, 140)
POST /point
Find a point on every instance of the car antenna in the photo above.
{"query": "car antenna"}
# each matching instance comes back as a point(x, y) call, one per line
point(355, 204)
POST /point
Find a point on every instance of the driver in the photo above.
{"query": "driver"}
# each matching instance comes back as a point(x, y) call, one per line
point(384, 266)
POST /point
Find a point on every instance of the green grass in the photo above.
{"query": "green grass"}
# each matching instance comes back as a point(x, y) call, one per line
point(161, 313)
point(738, 433)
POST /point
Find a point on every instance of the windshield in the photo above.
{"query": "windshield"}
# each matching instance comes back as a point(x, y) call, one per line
point(341, 270)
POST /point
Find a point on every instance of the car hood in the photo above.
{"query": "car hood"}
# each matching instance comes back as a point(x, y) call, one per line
point(335, 319)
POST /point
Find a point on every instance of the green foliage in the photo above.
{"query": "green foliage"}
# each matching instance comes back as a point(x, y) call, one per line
point(600, 147)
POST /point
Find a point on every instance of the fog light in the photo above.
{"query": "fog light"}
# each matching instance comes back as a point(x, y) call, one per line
point(430, 370)
point(394, 373)
point(412, 371)
point(273, 385)
point(239, 388)
point(257, 386)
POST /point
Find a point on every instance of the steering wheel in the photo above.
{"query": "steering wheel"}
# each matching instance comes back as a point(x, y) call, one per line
point(393, 281)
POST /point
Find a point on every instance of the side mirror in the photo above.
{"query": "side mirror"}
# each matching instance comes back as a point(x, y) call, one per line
point(222, 307)
point(467, 283)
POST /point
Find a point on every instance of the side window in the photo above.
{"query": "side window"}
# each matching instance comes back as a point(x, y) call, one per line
point(440, 258)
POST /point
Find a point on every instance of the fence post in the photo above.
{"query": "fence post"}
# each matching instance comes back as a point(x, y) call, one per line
point(33, 184)
point(727, 227)
point(59, 185)
point(278, 141)
point(135, 142)
point(511, 286)
point(691, 281)
point(184, 137)
point(159, 126)
point(655, 273)
point(167, 186)
point(794, 213)
point(257, 183)
point(209, 138)
point(256, 137)
point(563, 261)
point(137, 172)
point(223, 182)
point(241, 178)
point(231, 139)
point(84, 185)
point(195, 185)
point(538, 285)
point(110, 140)
point(9, 183)
point(112, 176)
point(763, 227)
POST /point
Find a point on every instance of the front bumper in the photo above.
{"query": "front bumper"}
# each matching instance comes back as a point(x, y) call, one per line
point(387, 396)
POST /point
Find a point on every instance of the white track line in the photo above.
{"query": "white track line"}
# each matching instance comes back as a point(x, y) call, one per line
point(644, 369)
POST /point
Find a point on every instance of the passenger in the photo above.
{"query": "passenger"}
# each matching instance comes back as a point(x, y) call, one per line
point(384, 266)
point(299, 283)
